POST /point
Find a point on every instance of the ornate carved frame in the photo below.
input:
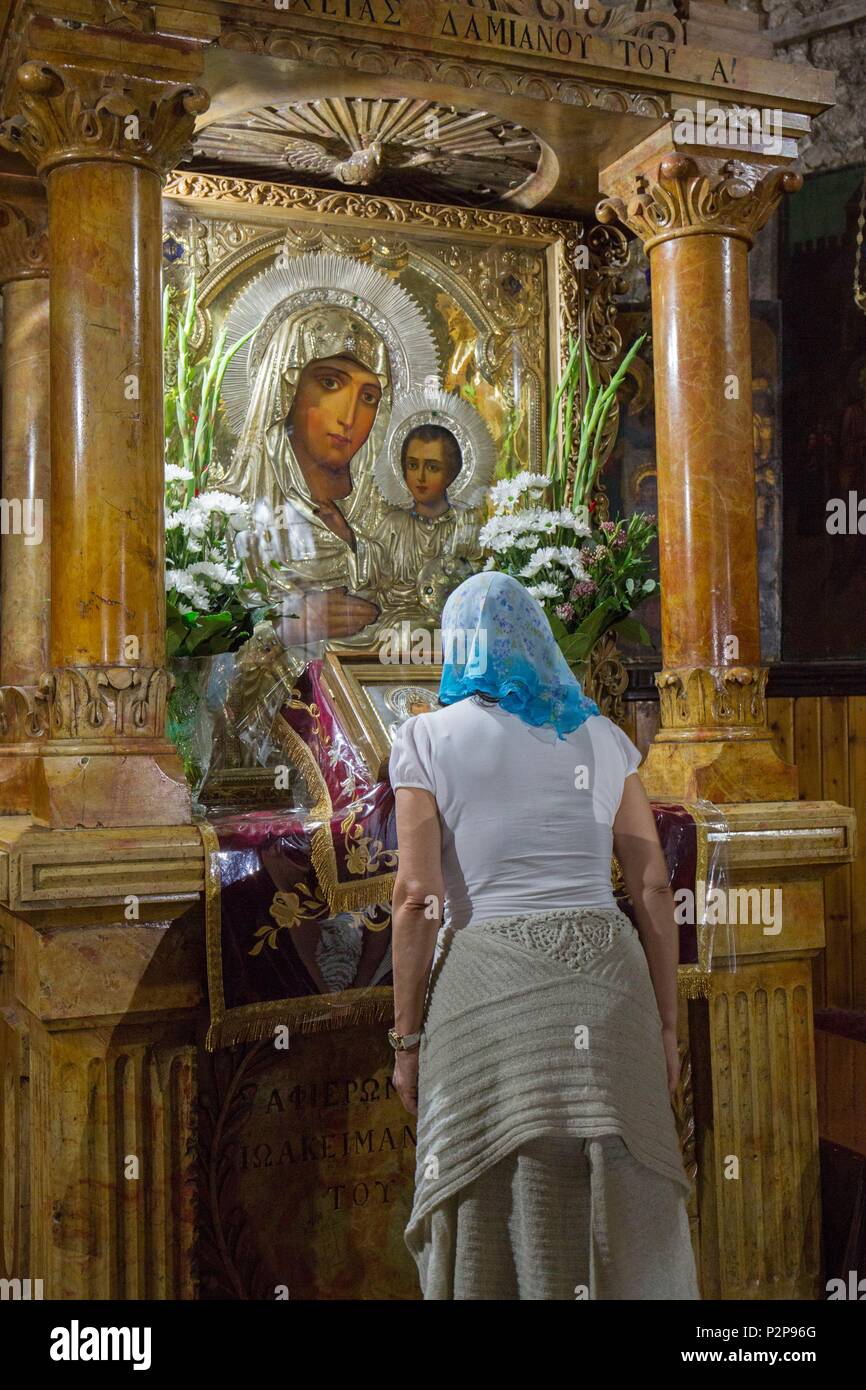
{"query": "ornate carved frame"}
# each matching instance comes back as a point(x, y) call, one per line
point(249, 218)
point(344, 676)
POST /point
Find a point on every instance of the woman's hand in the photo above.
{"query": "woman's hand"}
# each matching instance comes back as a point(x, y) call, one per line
point(406, 1078)
point(672, 1057)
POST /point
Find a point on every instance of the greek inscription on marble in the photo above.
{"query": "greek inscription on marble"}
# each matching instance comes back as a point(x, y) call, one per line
point(316, 1148)
point(307, 1141)
point(509, 31)
point(645, 56)
point(379, 12)
point(497, 29)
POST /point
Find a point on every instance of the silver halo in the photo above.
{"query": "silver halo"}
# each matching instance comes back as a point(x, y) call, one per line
point(433, 406)
point(335, 280)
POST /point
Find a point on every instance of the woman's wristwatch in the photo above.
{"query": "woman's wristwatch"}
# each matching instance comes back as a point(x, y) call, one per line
point(403, 1042)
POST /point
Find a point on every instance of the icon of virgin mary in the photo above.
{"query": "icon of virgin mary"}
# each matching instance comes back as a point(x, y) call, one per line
point(330, 343)
point(320, 389)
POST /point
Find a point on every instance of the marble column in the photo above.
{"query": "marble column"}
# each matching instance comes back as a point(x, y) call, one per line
point(697, 215)
point(102, 140)
point(25, 590)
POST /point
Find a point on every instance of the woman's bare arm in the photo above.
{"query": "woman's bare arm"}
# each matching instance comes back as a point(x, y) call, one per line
point(417, 903)
point(636, 845)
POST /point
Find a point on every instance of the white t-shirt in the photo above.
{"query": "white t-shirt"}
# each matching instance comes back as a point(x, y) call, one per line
point(526, 816)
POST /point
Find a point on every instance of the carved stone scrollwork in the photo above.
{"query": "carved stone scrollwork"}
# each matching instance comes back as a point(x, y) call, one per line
point(618, 21)
point(731, 200)
point(23, 714)
point(126, 14)
point(23, 244)
point(330, 50)
point(715, 697)
point(100, 701)
point(606, 677)
point(67, 114)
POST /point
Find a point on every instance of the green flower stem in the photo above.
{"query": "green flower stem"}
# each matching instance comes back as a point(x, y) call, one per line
point(566, 383)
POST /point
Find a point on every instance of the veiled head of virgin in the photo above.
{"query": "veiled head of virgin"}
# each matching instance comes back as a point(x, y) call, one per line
point(334, 382)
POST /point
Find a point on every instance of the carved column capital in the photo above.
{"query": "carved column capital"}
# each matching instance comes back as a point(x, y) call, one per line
point(723, 701)
point(68, 113)
point(683, 196)
point(23, 714)
point(23, 241)
point(107, 702)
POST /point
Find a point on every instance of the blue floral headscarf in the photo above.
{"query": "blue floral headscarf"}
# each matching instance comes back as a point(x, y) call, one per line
point(496, 639)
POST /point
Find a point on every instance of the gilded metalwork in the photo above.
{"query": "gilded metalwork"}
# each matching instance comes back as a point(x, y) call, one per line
point(324, 305)
point(414, 216)
point(486, 315)
point(434, 407)
point(606, 679)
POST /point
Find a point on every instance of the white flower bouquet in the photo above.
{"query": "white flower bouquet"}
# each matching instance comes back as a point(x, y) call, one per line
point(204, 614)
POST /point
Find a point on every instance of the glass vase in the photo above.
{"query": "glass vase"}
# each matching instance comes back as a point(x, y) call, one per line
point(200, 685)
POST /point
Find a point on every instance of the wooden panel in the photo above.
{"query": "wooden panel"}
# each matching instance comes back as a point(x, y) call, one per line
point(807, 748)
point(629, 719)
point(643, 722)
point(807, 756)
point(837, 885)
point(780, 717)
point(842, 1103)
point(762, 1231)
point(825, 735)
point(857, 799)
point(859, 1105)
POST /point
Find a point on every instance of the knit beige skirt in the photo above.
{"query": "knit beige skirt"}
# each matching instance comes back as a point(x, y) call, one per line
point(548, 1160)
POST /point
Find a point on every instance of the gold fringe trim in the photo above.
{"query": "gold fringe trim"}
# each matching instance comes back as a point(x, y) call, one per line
point(298, 754)
point(345, 897)
point(315, 1013)
point(212, 920)
point(693, 982)
point(340, 897)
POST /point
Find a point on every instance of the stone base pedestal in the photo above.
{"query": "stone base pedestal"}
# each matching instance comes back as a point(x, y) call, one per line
point(101, 1003)
point(721, 770)
point(16, 778)
point(104, 788)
